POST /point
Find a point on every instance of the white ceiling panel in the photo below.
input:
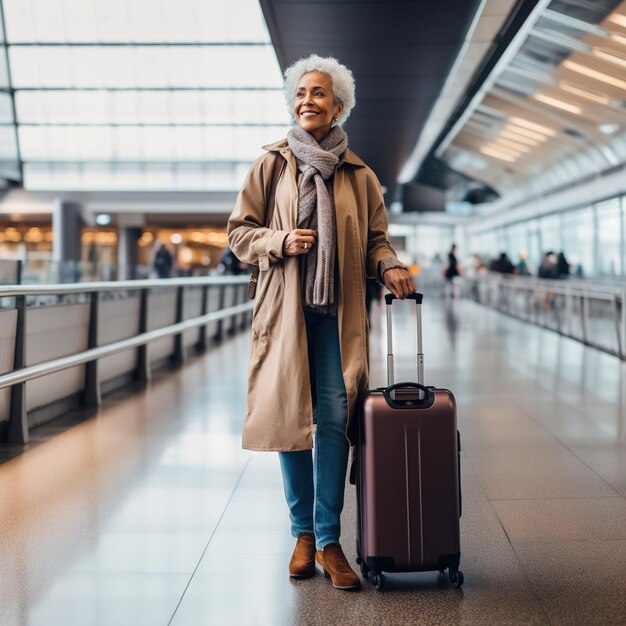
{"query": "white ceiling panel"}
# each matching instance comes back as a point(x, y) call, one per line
point(125, 67)
point(135, 21)
point(152, 107)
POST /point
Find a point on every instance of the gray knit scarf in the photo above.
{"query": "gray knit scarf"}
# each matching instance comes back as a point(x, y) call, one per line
point(316, 210)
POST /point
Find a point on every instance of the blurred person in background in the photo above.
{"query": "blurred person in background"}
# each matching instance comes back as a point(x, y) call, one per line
point(522, 265)
point(452, 271)
point(502, 265)
point(309, 329)
point(162, 260)
point(230, 264)
point(562, 265)
point(548, 267)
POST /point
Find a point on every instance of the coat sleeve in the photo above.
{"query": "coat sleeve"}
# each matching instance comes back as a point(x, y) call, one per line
point(248, 238)
point(378, 246)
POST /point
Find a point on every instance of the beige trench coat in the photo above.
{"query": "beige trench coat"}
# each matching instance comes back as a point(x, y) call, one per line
point(280, 414)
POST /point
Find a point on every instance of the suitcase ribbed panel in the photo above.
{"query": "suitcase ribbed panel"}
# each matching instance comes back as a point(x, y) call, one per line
point(407, 491)
point(413, 498)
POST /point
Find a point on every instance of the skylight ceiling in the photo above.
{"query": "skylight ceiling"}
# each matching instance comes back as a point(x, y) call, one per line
point(142, 94)
point(557, 112)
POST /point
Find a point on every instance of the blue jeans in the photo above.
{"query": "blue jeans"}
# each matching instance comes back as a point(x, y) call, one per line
point(314, 482)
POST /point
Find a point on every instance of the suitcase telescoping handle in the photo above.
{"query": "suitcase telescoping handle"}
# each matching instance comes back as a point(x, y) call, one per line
point(389, 298)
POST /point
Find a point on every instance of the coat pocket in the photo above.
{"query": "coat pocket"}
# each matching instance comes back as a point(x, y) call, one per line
point(269, 300)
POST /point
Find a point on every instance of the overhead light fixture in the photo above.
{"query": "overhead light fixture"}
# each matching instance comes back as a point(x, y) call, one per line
point(504, 149)
point(519, 138)
point(583, 93)
point(517, 151)
point(610, 58)
point(588, 71)
point(513, 145)
point(525, 132)
point(618, 18)
point(498, 155)
point(559, 104)
point(608, 128)
point(103, 219)
point(520, 121)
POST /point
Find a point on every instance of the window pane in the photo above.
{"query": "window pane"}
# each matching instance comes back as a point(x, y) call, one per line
point(140, 21)
point(150, 143)
point(159, 177)
point(113, 20)
point(485, 244)
point(18, 16)
point(550, 233)
point(518, 242)
point(152, 107)
point(80, 20)
point(125, 176)
point(146, 21)
point(58, 143)
point(166, 176)
point(38, 67)
point(48, 20)
point(192, 66)
point(609, 229)
point(6, 109)
point(9, 170)
point(432, 241)
point(4, 75)
point(578, 240)
point(8, 148)
point(534, 248)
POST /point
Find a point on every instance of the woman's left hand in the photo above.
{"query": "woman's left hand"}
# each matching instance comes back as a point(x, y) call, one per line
point(399, 282)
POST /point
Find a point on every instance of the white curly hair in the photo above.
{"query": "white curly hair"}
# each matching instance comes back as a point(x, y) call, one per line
point(340, 77)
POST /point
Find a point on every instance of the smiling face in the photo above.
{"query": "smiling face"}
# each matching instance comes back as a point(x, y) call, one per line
point(314, 106)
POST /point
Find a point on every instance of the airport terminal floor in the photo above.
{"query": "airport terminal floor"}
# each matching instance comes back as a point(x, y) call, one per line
point(149, 512)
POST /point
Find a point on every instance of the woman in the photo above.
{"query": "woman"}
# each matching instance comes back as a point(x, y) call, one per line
point(309, 331)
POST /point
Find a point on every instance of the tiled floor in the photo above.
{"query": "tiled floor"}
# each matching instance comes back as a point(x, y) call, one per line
point(150, 513)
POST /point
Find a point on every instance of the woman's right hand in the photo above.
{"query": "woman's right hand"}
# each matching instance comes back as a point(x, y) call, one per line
point(295, 241)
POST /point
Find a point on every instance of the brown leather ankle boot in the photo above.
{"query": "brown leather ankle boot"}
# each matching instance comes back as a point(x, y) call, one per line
point(302, 564)
point(337, 568)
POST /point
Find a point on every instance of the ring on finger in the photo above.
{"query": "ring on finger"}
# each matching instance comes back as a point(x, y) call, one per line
point(306, 245)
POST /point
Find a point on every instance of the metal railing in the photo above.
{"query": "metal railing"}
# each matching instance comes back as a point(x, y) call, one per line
point(18, 424)
point(592, 313)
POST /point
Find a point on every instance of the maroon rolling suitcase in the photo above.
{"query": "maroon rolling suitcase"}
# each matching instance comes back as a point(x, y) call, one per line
point(407, 474)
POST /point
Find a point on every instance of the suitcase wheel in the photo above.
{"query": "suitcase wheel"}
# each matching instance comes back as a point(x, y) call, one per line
point(358, 560)
point(456, 578)
point(378, 580)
